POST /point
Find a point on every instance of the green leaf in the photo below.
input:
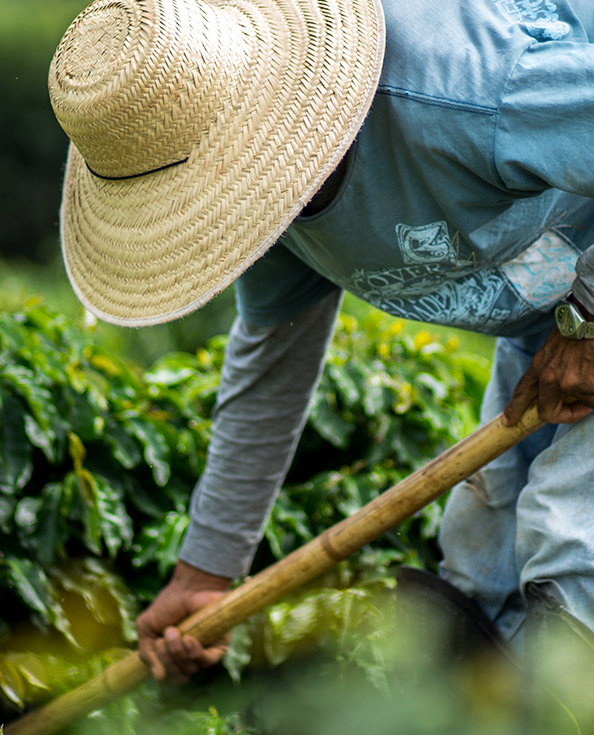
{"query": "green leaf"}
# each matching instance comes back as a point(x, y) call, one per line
point(40, 400)
point(171, 369)
point(7, 506)
point(30, 668)
point(437, 387)
point(11, 682)
point(156, 451)
point(82, 415)
point(124, 447)
point(376, 398)
point(49, 532)
point(76, 450)
point(97, 389)
point(114, 521)
point(30, 583)
point(34, 588)
point(41, 438)
point(238, 655)
point(12, 334)
point(80, 487)
point(360, 490)
point(16, 464)
point(328, 422)
point(161, 542)
point(287, 517)
point(348, 379)
point(103, 592)
point(288, 625)
point(26, 514)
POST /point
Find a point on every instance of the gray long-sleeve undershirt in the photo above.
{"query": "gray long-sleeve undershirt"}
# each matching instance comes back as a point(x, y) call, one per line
point(267, 381)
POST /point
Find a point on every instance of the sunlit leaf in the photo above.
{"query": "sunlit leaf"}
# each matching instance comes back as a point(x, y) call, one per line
point(106, 364)
point(11, 682)
point(30, 667)
point(77, 450)
point(171, 369)
point(105, 596)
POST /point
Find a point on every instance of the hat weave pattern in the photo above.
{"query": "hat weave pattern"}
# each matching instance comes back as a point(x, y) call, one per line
point(199, 130)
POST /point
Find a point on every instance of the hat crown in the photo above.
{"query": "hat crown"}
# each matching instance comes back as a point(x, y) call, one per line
point(136, 86)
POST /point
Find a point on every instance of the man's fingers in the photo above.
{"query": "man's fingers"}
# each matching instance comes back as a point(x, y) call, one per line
point(560, 408)
point(178, 667)
point(151, 659)
point(205, 657)
point(524, 394)
point(574, 412)
point(177, 658)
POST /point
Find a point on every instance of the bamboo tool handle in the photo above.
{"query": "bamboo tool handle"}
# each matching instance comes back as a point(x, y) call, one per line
point(303, 565)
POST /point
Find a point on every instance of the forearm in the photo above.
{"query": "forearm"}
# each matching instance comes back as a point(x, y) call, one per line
point(266, 385)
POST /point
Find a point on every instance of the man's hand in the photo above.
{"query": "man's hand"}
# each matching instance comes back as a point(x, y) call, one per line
point(167, 653)
point(560, 379)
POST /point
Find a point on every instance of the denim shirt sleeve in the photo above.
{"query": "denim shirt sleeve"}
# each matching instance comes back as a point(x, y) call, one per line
point(545, 131)
point(277, 288)
point(545, 122)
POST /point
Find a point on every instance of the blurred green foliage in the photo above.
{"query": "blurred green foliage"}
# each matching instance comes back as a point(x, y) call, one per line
point(21, 281)
point(98, 458)
point(33, 147)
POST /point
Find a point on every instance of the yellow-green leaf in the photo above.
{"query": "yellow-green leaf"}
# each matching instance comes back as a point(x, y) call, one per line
point(77, 450)
point(11, 682)
point(30, 668)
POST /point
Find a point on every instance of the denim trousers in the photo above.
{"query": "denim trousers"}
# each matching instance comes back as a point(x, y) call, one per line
point(526, 517)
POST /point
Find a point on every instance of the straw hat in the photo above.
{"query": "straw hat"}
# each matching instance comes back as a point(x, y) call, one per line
point(199, 129)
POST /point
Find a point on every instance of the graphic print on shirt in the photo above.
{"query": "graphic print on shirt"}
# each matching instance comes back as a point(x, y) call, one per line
point(432, 285)
point(425, 243)
point(428, 257)
point(544, 272)
point(539, 17)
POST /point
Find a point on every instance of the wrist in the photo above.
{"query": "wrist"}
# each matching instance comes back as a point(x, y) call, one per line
point(194, 578)
point(588, 316)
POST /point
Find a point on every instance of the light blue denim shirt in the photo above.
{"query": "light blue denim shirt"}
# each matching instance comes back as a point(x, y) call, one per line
point(467, 195)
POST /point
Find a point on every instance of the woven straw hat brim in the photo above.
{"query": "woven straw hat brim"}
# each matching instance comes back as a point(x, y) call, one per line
point(149, 249)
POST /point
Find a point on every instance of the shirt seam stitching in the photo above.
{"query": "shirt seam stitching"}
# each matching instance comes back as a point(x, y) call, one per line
point(435, 100)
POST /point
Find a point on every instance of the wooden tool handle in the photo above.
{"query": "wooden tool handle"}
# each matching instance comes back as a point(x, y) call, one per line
point(303, 565)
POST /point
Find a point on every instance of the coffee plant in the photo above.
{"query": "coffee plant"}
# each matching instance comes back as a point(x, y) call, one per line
point(97, 462)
